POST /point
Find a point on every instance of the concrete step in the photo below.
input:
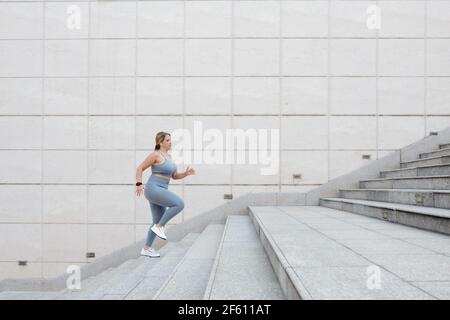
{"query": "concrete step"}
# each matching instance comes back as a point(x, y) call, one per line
point(434, 170)
point(117, 282)
point(28, 295)
point(444, 146)
point(190, 278)
point(438, 153)
point(425, 162)
point(143, 284)
point(87, 286)
point(418, 197)
point(422, 182)
point(432, 219)
point(241, 268)
point(125, 277)
point(321, 253)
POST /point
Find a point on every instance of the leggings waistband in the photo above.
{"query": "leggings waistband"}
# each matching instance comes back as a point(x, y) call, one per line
point(158, 179)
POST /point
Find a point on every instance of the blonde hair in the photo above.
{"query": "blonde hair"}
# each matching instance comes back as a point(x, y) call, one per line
point(160, 136)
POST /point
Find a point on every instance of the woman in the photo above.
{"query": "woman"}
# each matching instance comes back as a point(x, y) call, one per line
point(156, 190)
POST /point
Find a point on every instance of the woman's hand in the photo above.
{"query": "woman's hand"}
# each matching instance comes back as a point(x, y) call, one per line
point(189, 171)
point(139, 190)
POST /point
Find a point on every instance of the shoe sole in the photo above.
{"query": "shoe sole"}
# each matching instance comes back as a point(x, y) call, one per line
point(159, 235)
point(144, 255)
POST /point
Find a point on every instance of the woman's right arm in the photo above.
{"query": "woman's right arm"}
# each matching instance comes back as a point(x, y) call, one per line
point(142, 167)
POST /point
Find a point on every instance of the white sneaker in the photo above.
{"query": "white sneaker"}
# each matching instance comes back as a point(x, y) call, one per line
point(159, 231)
point(150, 252)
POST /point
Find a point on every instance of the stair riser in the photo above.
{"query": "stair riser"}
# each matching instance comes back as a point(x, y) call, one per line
point(425, 162)
point(420, 183)
point(412, 198)
point(433, 171)
point(283, 274)
point(434, 154)
point(436, 224)
point(443, 146)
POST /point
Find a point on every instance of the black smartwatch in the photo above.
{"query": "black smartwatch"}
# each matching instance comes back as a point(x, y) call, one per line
point(138, 184)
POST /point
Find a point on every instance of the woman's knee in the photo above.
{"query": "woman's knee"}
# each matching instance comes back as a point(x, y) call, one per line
point(180, 204)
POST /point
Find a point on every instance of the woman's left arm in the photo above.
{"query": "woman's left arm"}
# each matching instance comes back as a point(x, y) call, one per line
point(180, 175)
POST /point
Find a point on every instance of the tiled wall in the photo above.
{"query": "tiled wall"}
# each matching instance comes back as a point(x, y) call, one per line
point(79, 108)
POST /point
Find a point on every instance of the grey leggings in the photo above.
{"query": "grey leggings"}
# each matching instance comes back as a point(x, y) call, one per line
point(160, 197)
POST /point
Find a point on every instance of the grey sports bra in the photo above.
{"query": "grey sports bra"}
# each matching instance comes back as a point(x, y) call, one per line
point(166, 168)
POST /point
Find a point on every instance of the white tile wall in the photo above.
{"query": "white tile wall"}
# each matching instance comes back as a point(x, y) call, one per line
point(20, 203)
point(64, 203)
point(66, 96)
point(395, 132)
point(80, 106)
point(20, 166)
point(342, 162)
point(20, 132)
point(110, 204)
point(65, 132)
point(65, 58)
point(304, 95)
point(438, 95)
point(305, 57)
point(14, 102)
point(60, 15)
point(73, 248)
point(113, 19)
point(256, 57)
point(355, 95)
point(353, 132)
point(205, 95)
point(159, 57)
point(112, 57)
point(348, 19)
point(21, 20)
point(353, 57)
point(207, 18)
point(438, 57)
point(106, 238)
point(160, 18)
point(159, 95)
point(401, 95)
point(256, 95)
point(304, 18)
point(257, 18)
point(438, 18)
point(21, 58)
point(112, 96)
point(110, 132)
point(401, 57)
point(402, 19)
point(64, 166)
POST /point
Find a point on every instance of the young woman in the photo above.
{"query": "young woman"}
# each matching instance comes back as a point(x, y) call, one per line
point(157, 192)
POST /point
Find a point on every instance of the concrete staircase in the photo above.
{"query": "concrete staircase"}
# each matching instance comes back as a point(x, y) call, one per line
point(416, 194)
point(323, 253)
point(388, 239)
point(222, 262)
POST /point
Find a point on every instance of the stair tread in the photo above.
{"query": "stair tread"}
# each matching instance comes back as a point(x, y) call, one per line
point(242, 268)
point(439, 150)
point(190, 278)
point(326, 253)
point(425, 159)
point(403, 178)
point(445, 213)
point(418, 167)
point(149, 281)
point(400, 190)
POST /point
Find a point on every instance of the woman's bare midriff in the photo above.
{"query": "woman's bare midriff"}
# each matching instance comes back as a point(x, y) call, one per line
point(161, 175)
